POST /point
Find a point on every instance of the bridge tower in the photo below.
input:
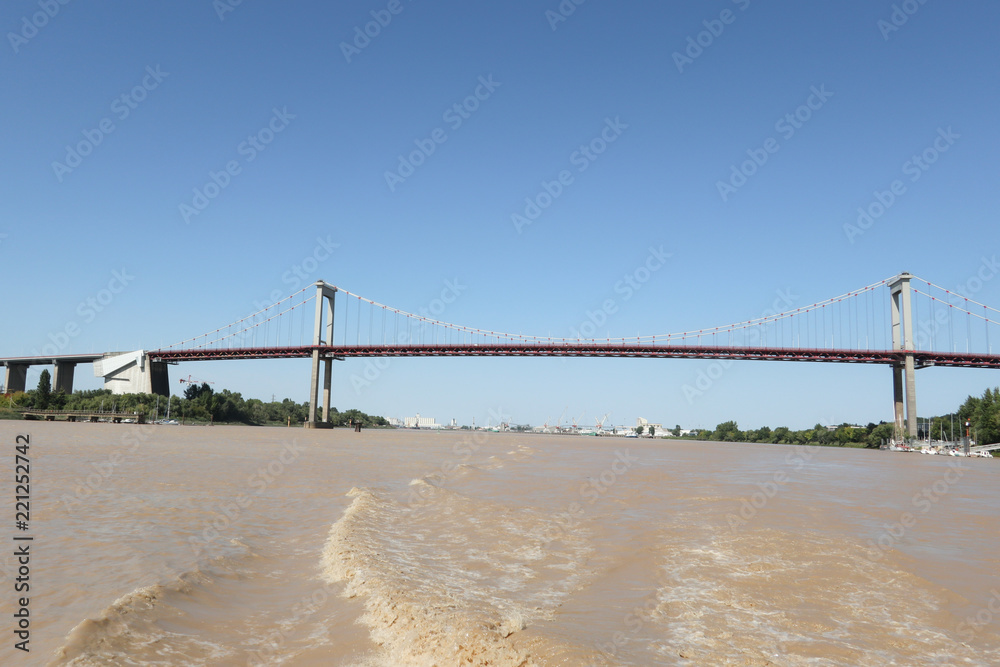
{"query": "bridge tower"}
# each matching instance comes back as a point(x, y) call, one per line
point(324, 304)
point(904, 386)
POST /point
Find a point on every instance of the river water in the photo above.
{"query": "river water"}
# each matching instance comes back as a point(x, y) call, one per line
point(181, 545)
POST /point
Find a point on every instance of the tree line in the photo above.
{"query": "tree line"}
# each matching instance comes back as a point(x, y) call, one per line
point(844, 435)
point(981, 413)
point(200, 403)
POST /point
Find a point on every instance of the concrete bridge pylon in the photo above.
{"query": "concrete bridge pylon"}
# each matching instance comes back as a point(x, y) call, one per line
point(904, 384)
point(325, 295)
point(131, 373)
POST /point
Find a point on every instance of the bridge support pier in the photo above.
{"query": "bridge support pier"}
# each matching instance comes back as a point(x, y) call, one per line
point(910, 381)
point(62, 379)
point(16, 378)
point(327, 382)
point(133, 373)
point(898, 400)
point(904, 382)
point(325, 295)
point(159, 377)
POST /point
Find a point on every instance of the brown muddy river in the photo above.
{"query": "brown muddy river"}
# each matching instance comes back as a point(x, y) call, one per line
point(179, 545)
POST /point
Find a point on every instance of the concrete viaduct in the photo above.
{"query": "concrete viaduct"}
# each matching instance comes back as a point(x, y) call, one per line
point(123, 372)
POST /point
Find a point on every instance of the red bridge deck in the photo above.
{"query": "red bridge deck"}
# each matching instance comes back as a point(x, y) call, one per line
point(921, 357)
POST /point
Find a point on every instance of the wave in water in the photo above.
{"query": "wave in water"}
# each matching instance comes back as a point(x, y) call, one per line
point(133, 630)
point(767, 596)
point(469, 582)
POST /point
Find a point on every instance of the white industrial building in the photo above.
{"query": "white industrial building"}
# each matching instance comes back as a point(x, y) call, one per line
point(421, 422)
point(647, 425)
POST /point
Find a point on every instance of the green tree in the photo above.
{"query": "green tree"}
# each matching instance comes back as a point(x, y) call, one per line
point(845, 435)
point(43, 395)
point(652, 431)
point(194, 392)
point(14, 400)
point(822, 435)
point(986, 418)
point(257, 411)
point(58, 400)
point(677, 431)
point(879, 433)
point(728, 432)
point(639, 429)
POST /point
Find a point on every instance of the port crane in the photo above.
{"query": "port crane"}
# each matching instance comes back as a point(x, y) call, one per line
point(599, 426)
point(194, 380)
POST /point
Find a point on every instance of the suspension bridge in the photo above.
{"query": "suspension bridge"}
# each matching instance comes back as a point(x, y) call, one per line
point(904, 322)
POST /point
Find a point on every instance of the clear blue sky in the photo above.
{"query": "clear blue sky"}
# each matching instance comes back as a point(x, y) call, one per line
point(211, 82)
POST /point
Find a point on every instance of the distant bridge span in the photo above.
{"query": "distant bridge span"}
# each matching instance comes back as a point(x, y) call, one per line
point(890, 322)
point(587, 349)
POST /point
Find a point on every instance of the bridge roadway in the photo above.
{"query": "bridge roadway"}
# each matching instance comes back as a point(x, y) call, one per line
point(589, 349)
point(65, 364)
point(53, 359)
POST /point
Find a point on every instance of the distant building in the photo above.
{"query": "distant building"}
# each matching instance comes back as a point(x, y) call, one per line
point(421, 422)
point(832, 428)
point(646, 425)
